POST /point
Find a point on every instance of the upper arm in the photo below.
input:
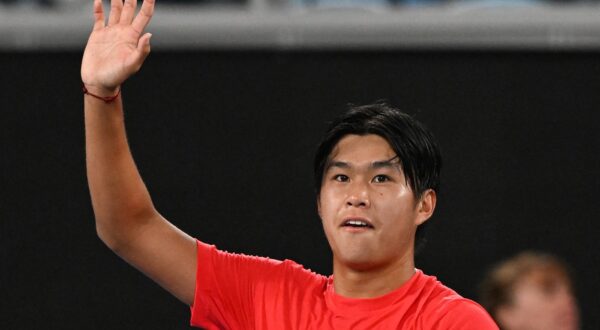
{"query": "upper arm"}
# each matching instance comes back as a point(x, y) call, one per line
point(165, 254)
point(232, 287)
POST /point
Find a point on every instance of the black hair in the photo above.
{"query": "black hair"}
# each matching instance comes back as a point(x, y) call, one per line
point(413, 143)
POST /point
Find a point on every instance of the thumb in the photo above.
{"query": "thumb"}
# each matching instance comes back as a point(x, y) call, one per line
point(144, 45)
point(141, 52)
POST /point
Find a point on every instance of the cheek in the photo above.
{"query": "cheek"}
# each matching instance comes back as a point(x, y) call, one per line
point(328, 199)
point(323, 206)
point(393, 202)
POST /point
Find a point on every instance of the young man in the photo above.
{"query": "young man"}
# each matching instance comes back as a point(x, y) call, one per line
point(531, 291)
point(376, 172)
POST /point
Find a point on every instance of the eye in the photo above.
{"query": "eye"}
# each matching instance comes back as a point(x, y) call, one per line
point(340, 178)
point(381, 178)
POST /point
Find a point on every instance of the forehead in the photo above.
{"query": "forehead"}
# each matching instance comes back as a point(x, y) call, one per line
point(546, 277)
point(359, 149)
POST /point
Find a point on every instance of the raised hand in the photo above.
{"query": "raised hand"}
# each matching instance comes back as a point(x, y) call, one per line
point(116, 49)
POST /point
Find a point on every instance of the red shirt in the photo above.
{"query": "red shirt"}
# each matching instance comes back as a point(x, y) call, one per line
point(236, 291)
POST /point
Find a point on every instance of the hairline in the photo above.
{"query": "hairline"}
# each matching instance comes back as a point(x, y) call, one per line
point(410, 181)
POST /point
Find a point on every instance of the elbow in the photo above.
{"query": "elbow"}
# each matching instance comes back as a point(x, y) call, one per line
point(118, 232)
point(108, 236)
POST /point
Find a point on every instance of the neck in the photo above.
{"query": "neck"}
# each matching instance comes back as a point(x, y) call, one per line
point(371, 282)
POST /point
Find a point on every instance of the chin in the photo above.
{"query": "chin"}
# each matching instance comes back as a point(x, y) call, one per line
point(358, 261)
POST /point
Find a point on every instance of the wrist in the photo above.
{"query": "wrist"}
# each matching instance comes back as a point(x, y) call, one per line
point(100, 90)
point(106, 94)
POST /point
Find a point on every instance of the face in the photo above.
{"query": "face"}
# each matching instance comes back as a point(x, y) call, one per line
point(368, 210)
point(543, 300)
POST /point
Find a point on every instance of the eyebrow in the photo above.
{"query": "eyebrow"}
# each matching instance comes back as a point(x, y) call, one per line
point(393, 162)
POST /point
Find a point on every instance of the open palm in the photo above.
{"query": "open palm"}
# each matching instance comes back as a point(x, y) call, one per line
point(116, 49)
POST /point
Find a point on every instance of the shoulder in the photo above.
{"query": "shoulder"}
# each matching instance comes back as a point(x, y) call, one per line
point(466, 314)
point(446, 309)
point(247, 265)
point(232, 289)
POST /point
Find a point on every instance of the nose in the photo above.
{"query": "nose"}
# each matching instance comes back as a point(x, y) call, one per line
point(358, 196)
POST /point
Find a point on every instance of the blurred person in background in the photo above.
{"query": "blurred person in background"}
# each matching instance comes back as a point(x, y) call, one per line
point(531, 291)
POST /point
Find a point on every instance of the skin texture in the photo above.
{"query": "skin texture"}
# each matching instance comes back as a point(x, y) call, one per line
point(541, 301)
point(126, 219)
point(116, 48)
point(364, 180)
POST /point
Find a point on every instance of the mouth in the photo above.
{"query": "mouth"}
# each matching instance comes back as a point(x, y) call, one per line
point(357, 223)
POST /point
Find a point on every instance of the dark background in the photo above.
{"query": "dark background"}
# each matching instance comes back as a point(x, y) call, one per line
point(224, 141)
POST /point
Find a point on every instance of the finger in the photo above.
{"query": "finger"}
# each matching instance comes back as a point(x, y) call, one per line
point(116, 6)
point(144, 44)
point(128, 12)
point(143, 17)
point(98, 15)
point(136, 60)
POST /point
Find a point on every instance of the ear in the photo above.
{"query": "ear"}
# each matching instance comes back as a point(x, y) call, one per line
point(426, 206)
point(319, 206)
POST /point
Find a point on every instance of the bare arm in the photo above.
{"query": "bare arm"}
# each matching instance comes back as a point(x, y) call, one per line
point(126, 219)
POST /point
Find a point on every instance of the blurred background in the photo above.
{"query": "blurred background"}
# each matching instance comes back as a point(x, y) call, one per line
point(225, 115)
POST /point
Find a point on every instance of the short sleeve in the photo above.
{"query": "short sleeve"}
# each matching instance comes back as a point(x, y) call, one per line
point(225, 287)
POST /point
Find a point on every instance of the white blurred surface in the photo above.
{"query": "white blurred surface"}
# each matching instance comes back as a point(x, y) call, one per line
point(457, 26)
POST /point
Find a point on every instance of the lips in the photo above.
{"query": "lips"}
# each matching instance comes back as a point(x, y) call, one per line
point(357, 222)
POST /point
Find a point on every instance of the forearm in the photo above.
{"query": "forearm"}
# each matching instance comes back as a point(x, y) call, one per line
point(125, 217)
point(120, 199)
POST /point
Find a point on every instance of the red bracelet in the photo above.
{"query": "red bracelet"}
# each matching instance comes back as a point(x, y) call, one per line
point(106, 99)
